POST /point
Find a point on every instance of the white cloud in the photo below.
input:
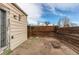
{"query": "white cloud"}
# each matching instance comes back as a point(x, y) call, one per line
point(76, 22)
point(34, 11)
point(53, 10)
point(62, 6)
point(32, 22)
point(67, 6)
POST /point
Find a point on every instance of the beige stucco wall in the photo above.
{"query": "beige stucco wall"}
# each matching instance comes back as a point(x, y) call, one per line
point(17, 29)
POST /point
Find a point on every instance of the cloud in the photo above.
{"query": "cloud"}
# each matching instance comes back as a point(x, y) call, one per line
point(52, 9)
point(71, 7)
point(35, 22)
point(34, 11)
point(67, 6)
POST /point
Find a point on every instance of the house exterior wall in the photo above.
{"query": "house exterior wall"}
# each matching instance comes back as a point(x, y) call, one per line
point(17, 25)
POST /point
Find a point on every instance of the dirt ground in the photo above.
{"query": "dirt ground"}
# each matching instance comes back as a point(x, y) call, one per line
point(42, 46)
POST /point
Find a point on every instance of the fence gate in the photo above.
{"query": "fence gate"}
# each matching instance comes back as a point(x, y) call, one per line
point(2, 28)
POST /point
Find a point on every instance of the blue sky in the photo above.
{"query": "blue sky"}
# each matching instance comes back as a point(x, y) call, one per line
point(51, 12)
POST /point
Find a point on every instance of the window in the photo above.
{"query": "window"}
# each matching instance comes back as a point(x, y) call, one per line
point(19, 17)
point(15, 17)
point(2, 28)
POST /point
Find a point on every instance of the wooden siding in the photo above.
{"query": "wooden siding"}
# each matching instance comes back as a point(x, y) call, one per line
point(17, 28)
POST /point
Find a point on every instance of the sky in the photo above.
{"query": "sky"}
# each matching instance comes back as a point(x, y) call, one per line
point(51, 12)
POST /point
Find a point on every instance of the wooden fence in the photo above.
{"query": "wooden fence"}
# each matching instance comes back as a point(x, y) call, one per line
point(40, 30)
point(48, 30)
point(70, 30)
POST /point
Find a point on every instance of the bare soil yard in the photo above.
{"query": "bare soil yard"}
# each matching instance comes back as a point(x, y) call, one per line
point(42, 46)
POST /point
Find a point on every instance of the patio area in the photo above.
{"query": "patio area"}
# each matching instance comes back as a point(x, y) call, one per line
point(42, 46)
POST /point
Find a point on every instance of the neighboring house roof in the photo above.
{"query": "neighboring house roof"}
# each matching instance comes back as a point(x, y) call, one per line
point(19, 8)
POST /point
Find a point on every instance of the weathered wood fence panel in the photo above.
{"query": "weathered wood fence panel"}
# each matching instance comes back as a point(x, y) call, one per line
point(40, 30)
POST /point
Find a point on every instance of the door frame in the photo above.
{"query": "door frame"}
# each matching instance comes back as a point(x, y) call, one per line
point(3, 7)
